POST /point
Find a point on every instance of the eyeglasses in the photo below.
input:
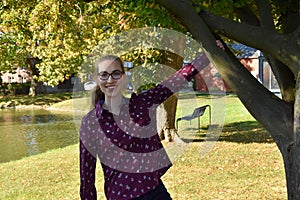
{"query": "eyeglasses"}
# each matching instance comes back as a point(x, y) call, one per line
point(116, 74)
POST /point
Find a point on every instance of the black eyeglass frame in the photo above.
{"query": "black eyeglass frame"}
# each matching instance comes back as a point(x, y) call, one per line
point(112, 74)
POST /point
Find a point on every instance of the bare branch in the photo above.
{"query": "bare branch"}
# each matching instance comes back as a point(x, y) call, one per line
point(265, 15)
point(284, 77)
point(249, 34)
point(247, 15)
point(254, 36)
point(289, 16)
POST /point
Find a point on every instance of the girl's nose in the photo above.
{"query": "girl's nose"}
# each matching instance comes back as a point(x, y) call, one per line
point(110, 79)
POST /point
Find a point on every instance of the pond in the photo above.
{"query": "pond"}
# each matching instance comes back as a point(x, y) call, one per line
point(28, 132)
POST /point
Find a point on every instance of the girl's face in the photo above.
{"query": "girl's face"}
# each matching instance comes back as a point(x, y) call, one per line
point(111, 78)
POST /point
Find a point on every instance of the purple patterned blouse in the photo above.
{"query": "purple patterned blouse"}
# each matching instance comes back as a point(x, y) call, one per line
point(127, 145)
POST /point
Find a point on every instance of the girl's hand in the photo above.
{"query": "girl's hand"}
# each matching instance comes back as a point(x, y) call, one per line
point(202, 61)
point(220, 44)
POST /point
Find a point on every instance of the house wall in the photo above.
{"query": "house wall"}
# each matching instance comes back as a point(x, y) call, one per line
point(21, 76)
point(209, 78)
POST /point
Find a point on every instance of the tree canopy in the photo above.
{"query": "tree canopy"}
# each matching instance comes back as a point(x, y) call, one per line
point(61, 34)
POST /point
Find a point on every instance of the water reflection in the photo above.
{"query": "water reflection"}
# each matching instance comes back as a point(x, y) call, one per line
point(28, 132)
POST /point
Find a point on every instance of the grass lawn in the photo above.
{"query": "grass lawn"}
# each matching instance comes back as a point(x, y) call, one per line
point(38, 100)
point(244, 164)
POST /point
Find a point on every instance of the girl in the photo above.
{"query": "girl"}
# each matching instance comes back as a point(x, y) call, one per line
point(122, 133)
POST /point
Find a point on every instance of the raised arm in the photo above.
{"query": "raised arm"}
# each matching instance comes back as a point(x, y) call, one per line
point(173, 84)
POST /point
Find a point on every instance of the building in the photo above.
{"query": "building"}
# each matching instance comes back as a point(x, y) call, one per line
point(21, 75)
point(209, 78)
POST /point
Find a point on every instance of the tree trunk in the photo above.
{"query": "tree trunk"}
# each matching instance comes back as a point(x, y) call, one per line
point(168, 132)
point(33, 72)
point(166, 115)
point(292, 155)
point(32, 89)
point(168, 108)
point(292, 165)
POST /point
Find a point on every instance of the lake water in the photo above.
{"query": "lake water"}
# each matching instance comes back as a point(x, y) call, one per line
point(28, 132)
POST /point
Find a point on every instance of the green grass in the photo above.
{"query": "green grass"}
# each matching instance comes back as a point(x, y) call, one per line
point(229, 171)
point(244, 164)
point(52, 175)
point(38, 100)
point(43, 100)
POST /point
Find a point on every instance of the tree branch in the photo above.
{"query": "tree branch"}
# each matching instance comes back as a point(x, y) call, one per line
point(289, 16)
point(263, 39)
point(285, 79)
point(284, 76)
point(247, 15)
point(249, 34)
point(259, 101)
point(265, 15)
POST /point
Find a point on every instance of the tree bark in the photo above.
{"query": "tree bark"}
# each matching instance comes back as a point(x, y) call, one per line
point(168, 108)
point(166, 115)
point(285, 79)
point(264, 39)
point(33, 72)
point(292, 160)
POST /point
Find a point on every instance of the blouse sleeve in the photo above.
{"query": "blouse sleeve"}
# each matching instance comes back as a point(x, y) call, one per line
point(87, 165)
point(186, 73)
point(173, 84)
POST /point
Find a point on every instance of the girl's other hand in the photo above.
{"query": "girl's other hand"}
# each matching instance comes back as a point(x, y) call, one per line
point(220, 44)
